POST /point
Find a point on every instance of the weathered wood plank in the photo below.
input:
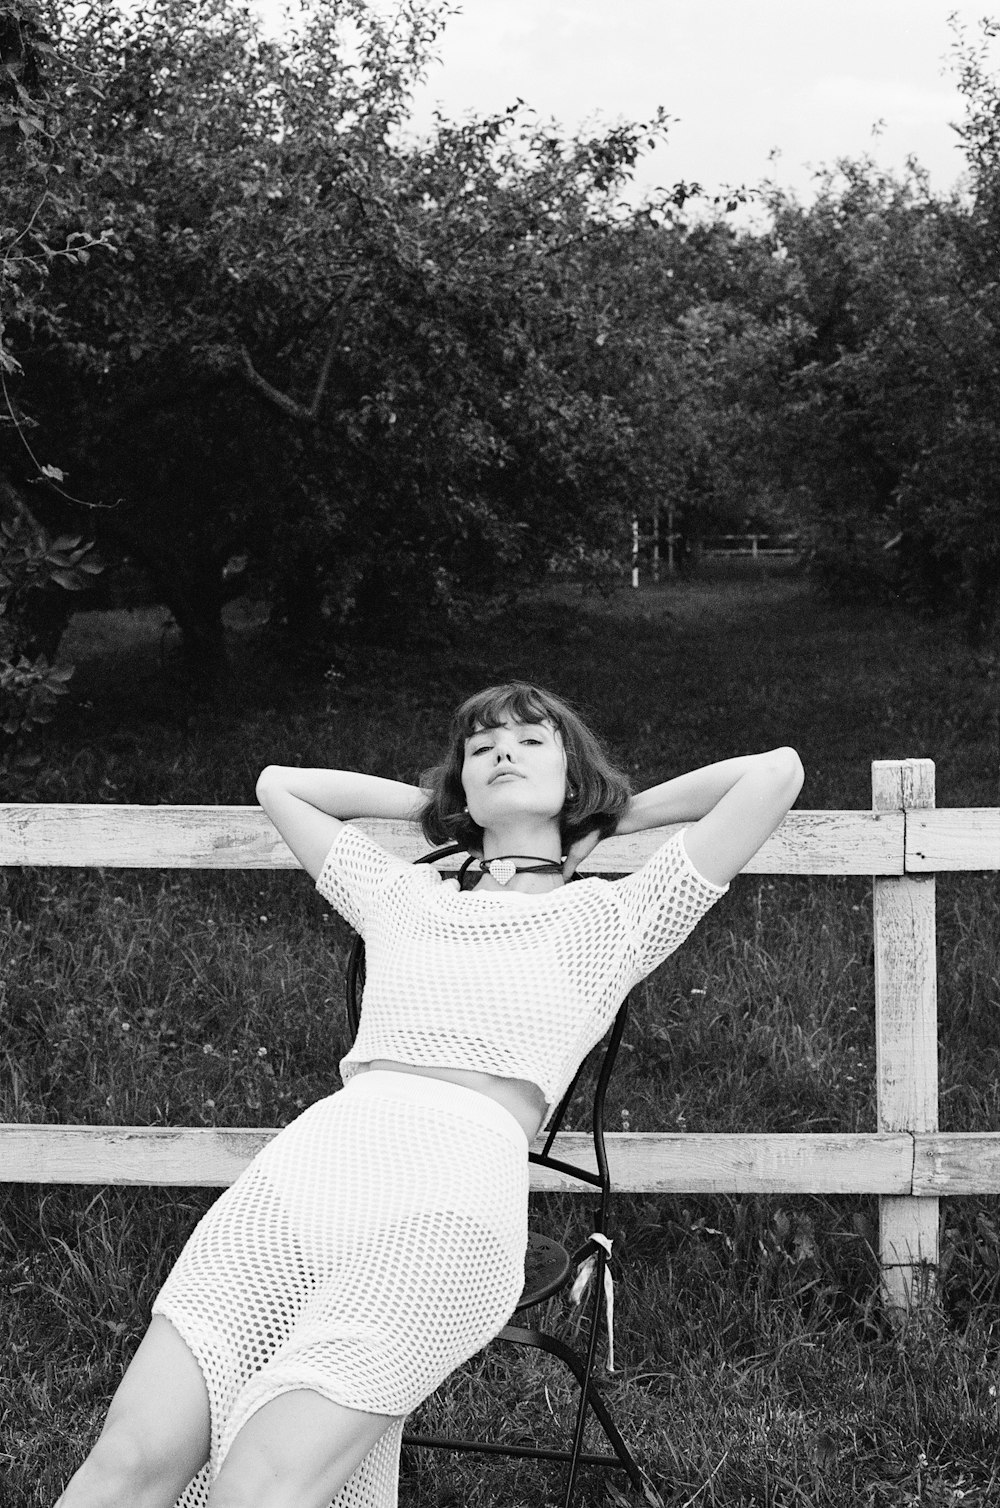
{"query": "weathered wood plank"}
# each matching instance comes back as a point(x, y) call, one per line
point(905, 1033)
point(141, 837)
point(763, 1163)
point(241, 837)
point(966, 1162)
point(906, 1005)
point(188, 1156)
point(807, 842)
point(641, 1162)
point(957, 838)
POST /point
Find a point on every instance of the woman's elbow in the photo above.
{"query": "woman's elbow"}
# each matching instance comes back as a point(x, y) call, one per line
point(268, 782)
point(787, 768)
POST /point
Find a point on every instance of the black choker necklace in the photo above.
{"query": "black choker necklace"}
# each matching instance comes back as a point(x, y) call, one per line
point(504, 868)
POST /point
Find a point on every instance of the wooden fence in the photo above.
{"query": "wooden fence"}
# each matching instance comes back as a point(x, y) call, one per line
point(902, 842)
point(752, 546)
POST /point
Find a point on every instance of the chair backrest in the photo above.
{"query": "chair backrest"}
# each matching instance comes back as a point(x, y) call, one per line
point(606, 1052)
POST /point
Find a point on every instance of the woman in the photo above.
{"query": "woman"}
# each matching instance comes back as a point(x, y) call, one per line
point(378, 1241)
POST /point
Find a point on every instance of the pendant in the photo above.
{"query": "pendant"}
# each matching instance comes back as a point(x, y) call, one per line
point(502, 870)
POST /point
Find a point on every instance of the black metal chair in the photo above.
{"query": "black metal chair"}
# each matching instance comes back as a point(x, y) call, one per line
point(548, 1266)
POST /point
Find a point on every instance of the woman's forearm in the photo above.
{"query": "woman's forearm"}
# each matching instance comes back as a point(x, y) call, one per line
point(344, 793)
point(689, 797)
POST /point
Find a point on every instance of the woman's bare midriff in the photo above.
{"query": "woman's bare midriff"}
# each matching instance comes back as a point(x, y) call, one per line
point(524, 1100)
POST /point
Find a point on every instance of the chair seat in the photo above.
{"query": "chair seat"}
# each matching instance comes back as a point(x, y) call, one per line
point(546, 1268)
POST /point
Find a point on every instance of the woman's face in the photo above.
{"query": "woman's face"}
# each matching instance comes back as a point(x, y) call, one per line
point(515, 770)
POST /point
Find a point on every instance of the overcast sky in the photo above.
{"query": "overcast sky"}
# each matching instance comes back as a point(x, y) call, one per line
point(745, 78)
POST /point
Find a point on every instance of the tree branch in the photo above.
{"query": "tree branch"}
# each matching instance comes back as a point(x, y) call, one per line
point(281, 401)
point(306, 414)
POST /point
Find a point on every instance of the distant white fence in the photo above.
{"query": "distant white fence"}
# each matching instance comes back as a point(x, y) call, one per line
point(902, 842)
point(754, 546)
point(658, 550)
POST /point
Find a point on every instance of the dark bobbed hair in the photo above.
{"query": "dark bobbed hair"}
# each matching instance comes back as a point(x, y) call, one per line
point(601, 791)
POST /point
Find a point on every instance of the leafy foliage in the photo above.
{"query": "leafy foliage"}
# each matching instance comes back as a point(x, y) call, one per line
point(890, 405)
point(41, 232)
point(46, 171)
point(32, 616)
point(277, 346)
point(360, 364)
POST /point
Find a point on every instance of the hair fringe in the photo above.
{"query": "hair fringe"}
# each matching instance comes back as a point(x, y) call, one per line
point(602, 790)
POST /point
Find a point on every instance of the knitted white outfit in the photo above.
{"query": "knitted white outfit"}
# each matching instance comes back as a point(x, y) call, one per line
point(503, 982)
point(372, 1247)
point(378, 1241)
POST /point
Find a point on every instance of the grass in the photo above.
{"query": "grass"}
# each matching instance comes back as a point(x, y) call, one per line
point(756, 1367)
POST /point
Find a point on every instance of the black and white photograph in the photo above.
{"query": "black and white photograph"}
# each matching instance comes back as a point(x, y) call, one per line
point(499, 754)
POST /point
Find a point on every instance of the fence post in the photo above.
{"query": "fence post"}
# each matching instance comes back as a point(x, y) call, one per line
point(906, 1036)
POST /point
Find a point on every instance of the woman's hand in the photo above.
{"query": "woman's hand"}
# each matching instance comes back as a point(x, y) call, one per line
point(578, 851)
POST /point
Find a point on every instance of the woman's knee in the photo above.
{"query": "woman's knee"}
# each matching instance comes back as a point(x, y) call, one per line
point(156, 1436)
point(120, 1471)
point(238, 1489)
point(296, 1451)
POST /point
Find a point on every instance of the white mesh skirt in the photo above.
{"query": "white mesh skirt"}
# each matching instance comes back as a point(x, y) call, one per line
point(373, 1246)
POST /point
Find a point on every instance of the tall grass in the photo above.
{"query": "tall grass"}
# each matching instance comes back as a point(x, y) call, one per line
point(755, 1364)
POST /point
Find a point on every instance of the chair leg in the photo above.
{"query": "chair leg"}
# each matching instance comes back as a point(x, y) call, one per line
point(590, 1397)
point(586, 1385)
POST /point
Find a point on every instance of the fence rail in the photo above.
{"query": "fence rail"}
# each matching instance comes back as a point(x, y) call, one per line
point(902, 842)
point(755, 546)
point(241, 837)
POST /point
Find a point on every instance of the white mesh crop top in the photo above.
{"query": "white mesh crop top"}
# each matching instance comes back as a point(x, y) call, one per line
point(506, 983)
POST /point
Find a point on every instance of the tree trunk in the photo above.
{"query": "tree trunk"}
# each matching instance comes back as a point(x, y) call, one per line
point(195, 594)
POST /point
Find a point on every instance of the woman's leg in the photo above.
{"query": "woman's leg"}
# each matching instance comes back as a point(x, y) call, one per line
point(156, 1435)
point(298, 1450)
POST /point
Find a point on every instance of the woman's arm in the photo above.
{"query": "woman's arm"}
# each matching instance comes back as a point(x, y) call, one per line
point(308, 806)
point(732, 806)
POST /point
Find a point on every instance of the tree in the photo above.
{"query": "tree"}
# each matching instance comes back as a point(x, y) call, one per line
point(891, 409)
point(355, 364)
point(36, 568)
point(694, 345)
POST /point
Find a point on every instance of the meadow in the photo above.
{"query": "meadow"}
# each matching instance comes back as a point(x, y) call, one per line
point(755, 1365)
